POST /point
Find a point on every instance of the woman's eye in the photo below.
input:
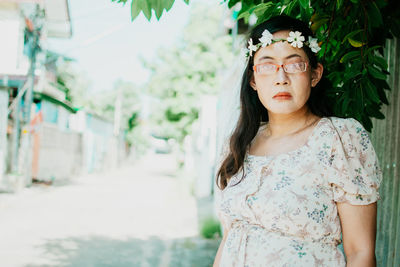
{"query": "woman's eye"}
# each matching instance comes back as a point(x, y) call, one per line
point(268, 66)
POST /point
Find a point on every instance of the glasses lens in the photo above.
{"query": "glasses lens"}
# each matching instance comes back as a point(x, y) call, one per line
point(295, 67)
point(266, 69)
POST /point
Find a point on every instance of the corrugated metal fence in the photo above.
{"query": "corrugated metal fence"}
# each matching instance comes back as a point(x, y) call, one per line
point(385, 136)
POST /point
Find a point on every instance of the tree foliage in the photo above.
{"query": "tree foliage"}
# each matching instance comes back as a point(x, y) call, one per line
point(104, 103)
point(147, 7)
point(182, 74)
point(352, 36)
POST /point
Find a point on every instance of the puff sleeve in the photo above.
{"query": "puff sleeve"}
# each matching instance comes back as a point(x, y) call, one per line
point(356, 175)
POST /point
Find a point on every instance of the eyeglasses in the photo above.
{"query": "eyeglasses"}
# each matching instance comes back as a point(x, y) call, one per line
point(271, 68)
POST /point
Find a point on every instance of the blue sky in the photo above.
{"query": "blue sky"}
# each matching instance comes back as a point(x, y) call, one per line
point(107, 44)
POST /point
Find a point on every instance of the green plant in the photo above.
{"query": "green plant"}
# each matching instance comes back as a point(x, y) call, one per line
point(352, 36)
point(210, 228)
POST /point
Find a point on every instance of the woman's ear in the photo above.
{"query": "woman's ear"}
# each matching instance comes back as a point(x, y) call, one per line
point(316, 74)
point(253, 83)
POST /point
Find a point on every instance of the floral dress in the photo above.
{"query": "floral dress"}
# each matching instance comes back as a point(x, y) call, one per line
point(284, 213)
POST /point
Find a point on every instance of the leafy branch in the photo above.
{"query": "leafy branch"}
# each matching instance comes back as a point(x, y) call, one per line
point(353, 46)
point(147, 7)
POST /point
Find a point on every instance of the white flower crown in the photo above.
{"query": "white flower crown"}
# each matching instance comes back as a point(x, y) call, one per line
point(294, 38)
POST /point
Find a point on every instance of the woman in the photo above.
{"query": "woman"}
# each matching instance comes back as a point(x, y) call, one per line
point(296, 181)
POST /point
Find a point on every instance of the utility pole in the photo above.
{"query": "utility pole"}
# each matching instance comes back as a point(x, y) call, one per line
point(16, 133)
point(32, 32)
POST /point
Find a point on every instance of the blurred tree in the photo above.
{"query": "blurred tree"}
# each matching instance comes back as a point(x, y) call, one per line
point(353, 36)
point(183, 73)
point(73, 81)
point(103, 103)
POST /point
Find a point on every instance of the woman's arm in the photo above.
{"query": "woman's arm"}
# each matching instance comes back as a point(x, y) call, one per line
point(220, 248)
point(359, 232)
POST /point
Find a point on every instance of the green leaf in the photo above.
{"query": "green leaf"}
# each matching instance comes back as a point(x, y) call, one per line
point(140, 5)
point(245, 11)
point(318, 23)
point(372, 49)
point(351, 35)
point(146, 8)
point(379, 61)
point(364, 72)
point(345, 104)
point(374, 14)
point(158, 7)
point(367, 123)
point(355, 43)
point(382, 84)
point(349, 56)
point(186, 1)
point(376, 73)
point(231, 3)
point(169, 3)
point(306, 13)
point(353, 71)
point(290, 7)
point(373, 111)
point(135, 9)
point(339, 4)
point(359, 99)
point(382, 95)
point(304, 4)
point(245, 15)
point(262, 8)
point(371, 91)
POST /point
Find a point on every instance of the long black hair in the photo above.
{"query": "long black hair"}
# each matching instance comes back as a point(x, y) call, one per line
point(252, 111)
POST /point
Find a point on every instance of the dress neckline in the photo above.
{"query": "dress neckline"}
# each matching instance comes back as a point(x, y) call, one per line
point(304, 146)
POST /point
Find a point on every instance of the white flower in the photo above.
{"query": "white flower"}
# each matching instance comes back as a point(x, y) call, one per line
point(296, 39)
point(252, 47)
point(266, 38)
point(313, 44)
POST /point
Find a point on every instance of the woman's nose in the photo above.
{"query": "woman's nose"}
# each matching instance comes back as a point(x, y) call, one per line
point(281, 77)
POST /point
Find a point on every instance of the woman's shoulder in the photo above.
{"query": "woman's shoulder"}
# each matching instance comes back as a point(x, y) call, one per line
point(350, 134)
point(344, 122)
point(343, 126)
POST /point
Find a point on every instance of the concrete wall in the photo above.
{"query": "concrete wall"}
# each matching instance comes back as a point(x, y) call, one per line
point(100, 148)
point(58, 153)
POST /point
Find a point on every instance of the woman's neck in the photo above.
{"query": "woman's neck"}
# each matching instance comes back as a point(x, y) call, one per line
point(280, 125)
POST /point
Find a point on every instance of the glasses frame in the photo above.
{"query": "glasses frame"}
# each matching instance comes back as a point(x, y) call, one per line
point(281, 66)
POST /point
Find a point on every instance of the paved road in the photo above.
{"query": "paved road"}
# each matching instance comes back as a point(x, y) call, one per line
point(138, 215)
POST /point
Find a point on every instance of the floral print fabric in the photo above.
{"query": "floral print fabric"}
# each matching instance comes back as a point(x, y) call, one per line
point(284, 213)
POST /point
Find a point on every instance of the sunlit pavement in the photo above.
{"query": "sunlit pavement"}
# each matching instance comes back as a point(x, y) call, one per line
point(137, 215)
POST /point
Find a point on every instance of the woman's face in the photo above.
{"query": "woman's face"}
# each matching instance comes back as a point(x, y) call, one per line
point(297, 85)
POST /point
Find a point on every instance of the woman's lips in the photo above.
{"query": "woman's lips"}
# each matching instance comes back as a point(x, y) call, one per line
point(282, 96)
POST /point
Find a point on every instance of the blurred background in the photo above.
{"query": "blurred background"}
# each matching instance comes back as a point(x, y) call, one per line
point(113, 117)
point(110, 131)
